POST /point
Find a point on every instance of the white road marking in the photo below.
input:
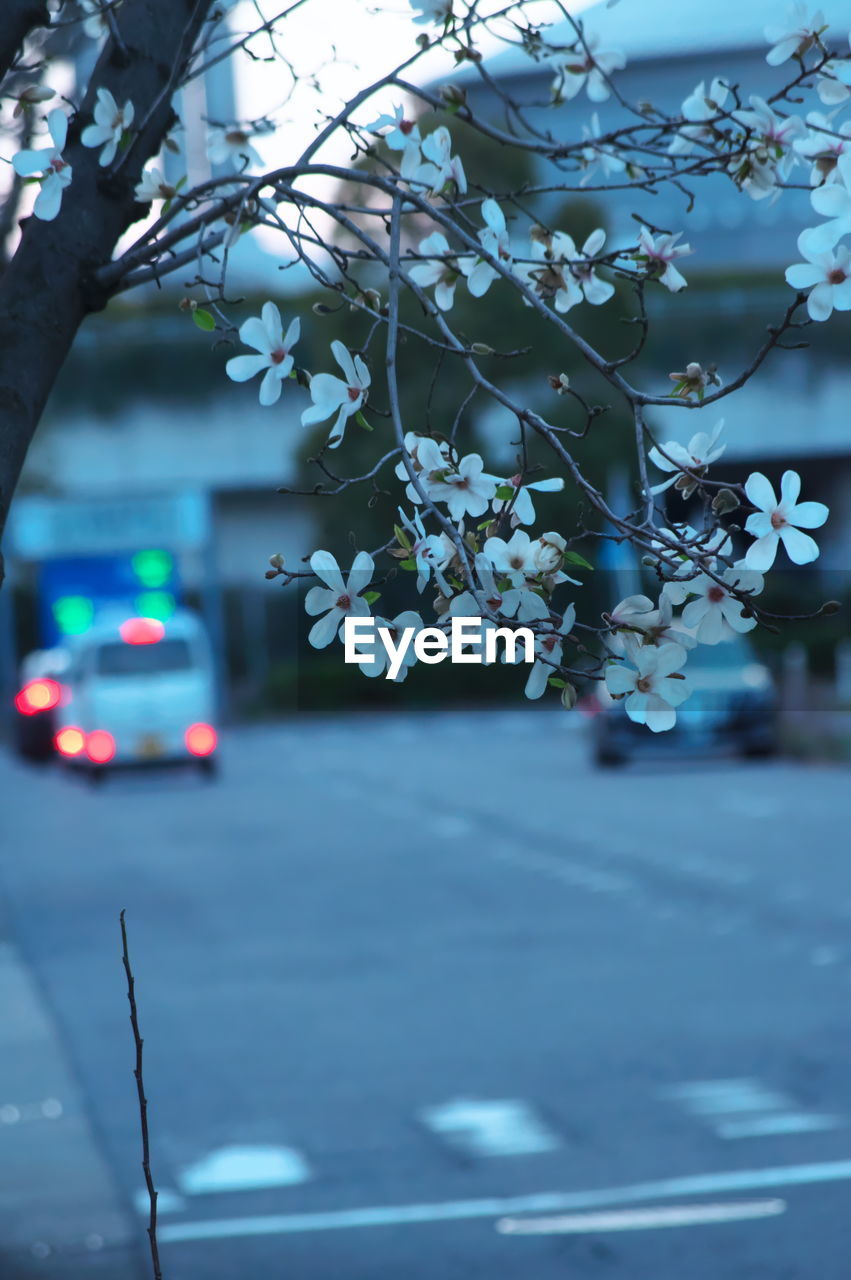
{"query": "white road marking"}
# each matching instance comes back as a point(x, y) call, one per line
point(495, 1128)
point(244, 1168)
point(643, 1219)
point(782, 1123)
point(496, 1207)
point(745, 1108)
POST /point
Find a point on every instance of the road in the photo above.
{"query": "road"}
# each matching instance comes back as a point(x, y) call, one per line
point(425, 995)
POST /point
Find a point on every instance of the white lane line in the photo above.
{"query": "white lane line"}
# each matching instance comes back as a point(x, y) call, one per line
point(490, 1128)
point(643, 1219)
point(781, 1123)
point(498, 1207)
point(243, 1168)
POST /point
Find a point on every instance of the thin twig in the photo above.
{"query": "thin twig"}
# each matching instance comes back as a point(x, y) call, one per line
point(143, 1103)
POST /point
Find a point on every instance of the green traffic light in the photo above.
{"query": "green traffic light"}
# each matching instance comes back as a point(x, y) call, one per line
point(74, 614)
point(156, 604)
point(153, 568)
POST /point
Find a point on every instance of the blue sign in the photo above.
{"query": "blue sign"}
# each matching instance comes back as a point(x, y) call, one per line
point(74, 591)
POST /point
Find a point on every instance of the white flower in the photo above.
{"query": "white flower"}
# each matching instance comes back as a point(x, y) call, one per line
point(376, 665)
point(700, 107)
point(593, 154)
point(700, 453)
point(549, 553)
point(770, 149)
point(829, 271)
point(652, 692)
point(584, 67)
point(834, 83)
point(655, 622)
point(333, 395)
point(771, 129)
point(661, 252)
point(153, 186)
point(426, 456)
point(834, 202)
point(716, 611)
point(517, 558)
point(340, 599)
point(431, 10)
point(466, 489)
point(522, 510)
point(441, 272)
point(403, 135)
point(265, 334)
point(825, 146)
point(549, 644)
point(232, 146)
point(505, 602)
point(596, 291)
point(441, 166)
point(56, 172)
point(553, 280)
point(781, 522)
point(795, 36)
point(431, 552)
point(111, 121)
point(494, 239)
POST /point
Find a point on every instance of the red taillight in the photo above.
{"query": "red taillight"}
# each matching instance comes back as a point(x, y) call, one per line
point(141, 631)
point(201, 739)
point(100, 746)
point(70, 741)
point(38, 695)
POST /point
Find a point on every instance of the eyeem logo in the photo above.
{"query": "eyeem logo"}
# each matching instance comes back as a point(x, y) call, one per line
point(431, 645)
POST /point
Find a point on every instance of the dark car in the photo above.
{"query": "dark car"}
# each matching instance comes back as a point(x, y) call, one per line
point(41, 692)
point(732, 706)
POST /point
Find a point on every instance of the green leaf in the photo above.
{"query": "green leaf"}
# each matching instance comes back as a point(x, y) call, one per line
point(407, 564)
point(557, 682)
point(402, 537)
point(362, 422)
point(203, 319)
point(504, 492)
point(573, 557)
point(371, 596)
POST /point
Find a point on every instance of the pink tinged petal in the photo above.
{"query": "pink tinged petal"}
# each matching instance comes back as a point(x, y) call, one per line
point(325, 567)
point(800, 547)
point(26, 163)
point(322, 633)
point(594, 243)
point(270, 387)
point(49, 199)
point(57, 124)
point(673, 279)
point(820, 302)
point(320, 600)
point(620, 679)
point(553, 485)
point(241, 368)
point(252, 333)
point(480, 279)
point(808, 515)
point(760, 492)
point(804, 274)
point(790, 489)
point(761, 554)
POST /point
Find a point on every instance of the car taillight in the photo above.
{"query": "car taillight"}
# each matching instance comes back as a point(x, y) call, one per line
point(70, 741)
point(100, 746)
point(141, 631)
point(200, 739)
point(38, 695)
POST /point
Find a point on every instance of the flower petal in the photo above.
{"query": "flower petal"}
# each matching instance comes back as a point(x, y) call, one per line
point(760, 555)
point(252, 333)
point(241, 368)
point(760, 491)
point(325, 567)
point(790, 489)
point(800, 547)
point(322, 633)
point(808, 515)
point(270, 387)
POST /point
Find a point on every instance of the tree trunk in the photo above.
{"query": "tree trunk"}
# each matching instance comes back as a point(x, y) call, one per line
point(48, 289)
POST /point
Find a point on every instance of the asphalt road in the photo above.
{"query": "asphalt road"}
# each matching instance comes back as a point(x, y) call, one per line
point(424, 996)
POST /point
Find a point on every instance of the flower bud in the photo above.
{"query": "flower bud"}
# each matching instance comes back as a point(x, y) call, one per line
point(481, 349)
point(34, 94)
point(569, 697)
point(277, 560)
point(187, 304)
point(830, 606)
point(724, 501)
point(454, 95)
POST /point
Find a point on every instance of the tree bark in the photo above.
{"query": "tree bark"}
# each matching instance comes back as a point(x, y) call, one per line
point(48, 288)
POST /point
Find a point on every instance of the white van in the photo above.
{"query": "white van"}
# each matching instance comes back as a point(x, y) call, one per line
point(139, 691)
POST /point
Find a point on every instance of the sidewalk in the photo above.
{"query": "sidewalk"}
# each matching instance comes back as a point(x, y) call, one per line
point(60, 1212)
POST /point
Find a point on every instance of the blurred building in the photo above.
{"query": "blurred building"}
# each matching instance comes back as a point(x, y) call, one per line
point(792, 414)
